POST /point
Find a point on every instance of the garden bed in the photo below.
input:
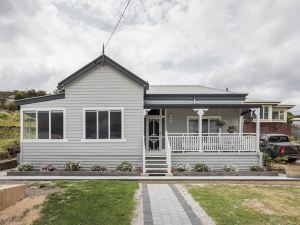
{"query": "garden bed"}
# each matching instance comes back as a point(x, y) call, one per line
point(73, 173)
point(222, 173)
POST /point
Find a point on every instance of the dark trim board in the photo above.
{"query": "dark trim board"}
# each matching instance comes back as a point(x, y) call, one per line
point(39, 99)
point(196, 97)
point(195, 106)
point(102, 60)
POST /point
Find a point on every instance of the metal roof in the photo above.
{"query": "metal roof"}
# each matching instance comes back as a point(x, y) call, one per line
point(102, 60)
point(185, 89)
point(39, 99)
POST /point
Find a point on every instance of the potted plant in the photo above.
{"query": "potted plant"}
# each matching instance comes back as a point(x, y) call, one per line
point(220, 123)
point(231, 129)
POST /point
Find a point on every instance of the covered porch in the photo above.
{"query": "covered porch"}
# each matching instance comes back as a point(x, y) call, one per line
point(191, 134)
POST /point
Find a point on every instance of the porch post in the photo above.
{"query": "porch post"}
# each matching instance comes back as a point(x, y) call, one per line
point(257, 128)
point(241, 124)
point(200, 113)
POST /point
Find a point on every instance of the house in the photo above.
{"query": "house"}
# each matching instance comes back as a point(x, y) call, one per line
point(273, 117)
point(105, 114)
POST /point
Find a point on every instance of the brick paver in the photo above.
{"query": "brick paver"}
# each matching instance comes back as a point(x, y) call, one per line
point(166, 208)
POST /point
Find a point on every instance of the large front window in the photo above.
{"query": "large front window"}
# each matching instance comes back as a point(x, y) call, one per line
point(104, 124)
point(43, 124)
point(208, 125)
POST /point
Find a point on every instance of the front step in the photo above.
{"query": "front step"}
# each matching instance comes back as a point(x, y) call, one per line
point(156, 165)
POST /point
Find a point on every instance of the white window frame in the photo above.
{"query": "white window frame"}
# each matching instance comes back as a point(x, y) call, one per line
point(36, 110)
point(263, 110)
point(203, 118)
point(97, 109)
point(279, 114)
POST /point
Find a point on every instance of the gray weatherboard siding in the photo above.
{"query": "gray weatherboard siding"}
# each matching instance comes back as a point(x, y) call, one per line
point(217, 160)
point(101, 87)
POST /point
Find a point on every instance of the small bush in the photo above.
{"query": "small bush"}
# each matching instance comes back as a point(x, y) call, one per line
point(125, 166)
point(202, 167)
point(99, 167)
point(231, 168)
point(267, 159)
point(25, 167)
point(73, 166)
point(48, 167)
point(183, 167)
point(257, 168)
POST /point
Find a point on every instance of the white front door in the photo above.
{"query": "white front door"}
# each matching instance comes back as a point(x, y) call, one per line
point(153, 133)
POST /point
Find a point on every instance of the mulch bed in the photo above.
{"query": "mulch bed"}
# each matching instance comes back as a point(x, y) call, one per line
point(72, 173)
point(222, 173)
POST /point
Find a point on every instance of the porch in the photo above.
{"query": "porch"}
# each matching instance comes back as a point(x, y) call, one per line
point(176, 135)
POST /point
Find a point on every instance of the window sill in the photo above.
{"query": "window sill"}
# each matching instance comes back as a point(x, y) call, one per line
point(103, 140)
point(44, 140)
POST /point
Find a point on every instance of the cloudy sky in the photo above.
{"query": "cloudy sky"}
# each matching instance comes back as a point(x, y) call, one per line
point(247, 46)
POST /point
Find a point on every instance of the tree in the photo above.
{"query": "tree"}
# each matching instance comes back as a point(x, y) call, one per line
point(290, 117)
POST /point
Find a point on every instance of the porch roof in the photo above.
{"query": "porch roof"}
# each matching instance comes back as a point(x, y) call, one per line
point(150, 104)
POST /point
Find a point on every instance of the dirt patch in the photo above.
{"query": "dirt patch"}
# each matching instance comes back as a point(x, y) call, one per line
point(256, 205)
point(27, 210)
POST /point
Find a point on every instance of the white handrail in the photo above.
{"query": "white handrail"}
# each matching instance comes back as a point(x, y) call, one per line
point(168, 152)
point(183, 142)
point(144, 155)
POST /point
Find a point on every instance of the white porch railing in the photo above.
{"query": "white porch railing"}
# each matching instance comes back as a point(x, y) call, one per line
point(218, 142)
point(168, 152)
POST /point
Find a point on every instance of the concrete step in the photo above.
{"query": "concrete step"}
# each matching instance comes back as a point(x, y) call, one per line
point(156, 162)
point(156, 166)
point(156, 157)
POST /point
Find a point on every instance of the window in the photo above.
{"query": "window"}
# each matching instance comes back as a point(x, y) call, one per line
point(264, 113)
point(278, 115)
point(43, 124)
point(208, 125)
point(29, 125)
point(104, 124)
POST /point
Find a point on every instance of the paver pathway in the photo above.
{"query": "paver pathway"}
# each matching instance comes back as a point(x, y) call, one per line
point(164, 205)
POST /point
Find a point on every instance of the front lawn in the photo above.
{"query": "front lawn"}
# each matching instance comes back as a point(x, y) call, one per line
point(90, 203)
point(246, 204)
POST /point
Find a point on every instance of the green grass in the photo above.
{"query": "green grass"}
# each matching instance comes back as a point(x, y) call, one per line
point(9, 119)
point(90, 203)
point(245, 204)
point(8, 143)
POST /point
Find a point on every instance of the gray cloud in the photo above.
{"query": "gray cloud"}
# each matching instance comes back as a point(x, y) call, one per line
point(245, 46)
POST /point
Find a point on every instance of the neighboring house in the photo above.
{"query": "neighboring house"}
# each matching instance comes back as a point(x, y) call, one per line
point(273, 117)
point(296, 128)
point(105, 114)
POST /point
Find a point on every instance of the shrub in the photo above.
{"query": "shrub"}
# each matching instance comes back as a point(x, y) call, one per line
point(256, 168)
point(99, 167)
point(25, 167)
point(73, 166)
point(48, 167)
point(202, 167)
point(182, 167)
point(267, 159)
point(231, 168)
point(125, 166)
